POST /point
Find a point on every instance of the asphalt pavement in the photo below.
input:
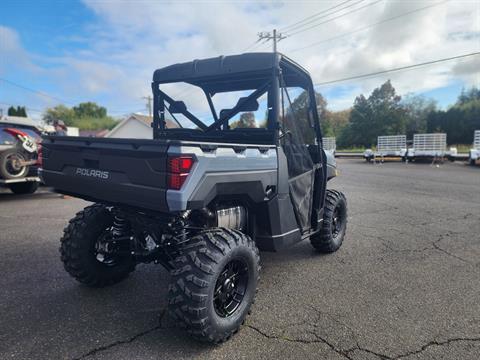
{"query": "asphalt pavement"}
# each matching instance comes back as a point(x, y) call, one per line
point(405, 284)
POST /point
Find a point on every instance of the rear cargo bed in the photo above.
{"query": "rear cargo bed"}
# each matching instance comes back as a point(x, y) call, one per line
point(124, 171)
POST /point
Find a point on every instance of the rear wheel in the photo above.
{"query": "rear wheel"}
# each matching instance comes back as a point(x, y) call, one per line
point(334, 224)
point(214, 284)
point(81, 249)
point(10, 164)
point(28, 187)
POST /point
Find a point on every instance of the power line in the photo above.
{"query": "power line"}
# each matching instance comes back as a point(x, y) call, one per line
point(396, 69)
point(314, 15)
point(368, 26)
point(149, 104)
point(334, 18)
point(299, 26)
point(27, 108)
point(252, 45)
point(35, 91)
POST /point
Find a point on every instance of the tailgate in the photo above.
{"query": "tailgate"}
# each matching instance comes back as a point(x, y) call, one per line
point(123, 171)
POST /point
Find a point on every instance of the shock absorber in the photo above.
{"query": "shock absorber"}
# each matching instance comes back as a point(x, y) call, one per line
point(120, 225)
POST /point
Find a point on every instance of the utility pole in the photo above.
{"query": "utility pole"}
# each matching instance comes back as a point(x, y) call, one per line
point(275, 36)
point(149, 104)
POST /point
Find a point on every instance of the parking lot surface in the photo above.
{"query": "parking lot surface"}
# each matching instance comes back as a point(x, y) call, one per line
point(405, 284)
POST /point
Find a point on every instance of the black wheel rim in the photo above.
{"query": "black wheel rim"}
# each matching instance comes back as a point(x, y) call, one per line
point(338, 220)
point(230, 288)
point(101, 251)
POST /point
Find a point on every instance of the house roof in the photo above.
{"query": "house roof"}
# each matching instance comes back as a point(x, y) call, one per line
point(148, 120)
point(143, 119)
point(93, 133)
point(18, 120)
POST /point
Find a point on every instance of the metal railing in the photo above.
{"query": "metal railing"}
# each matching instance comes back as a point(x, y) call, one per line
point(329, 144)
point(391, 144)
point(434, 143)
point(476, 140)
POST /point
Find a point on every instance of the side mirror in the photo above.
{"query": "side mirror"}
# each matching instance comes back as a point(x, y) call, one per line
point(177, 107)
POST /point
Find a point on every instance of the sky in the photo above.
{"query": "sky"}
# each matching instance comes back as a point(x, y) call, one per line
point(106, 51)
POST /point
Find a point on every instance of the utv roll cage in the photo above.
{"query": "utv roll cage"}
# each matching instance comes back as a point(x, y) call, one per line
point(261, 72)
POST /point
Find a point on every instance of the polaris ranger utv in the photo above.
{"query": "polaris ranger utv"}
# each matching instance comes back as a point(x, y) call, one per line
point(207, 191)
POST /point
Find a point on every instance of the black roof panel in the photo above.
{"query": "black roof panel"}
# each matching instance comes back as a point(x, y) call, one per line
point(224, 65)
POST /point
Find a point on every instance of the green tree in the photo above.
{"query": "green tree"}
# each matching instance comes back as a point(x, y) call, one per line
point(59, 112)
point(334, 122)
point(467, 96)
point(379, 114)
point(247, 120)
point(18, 111)
point(417, 109)
point(85, 116)
point(460, 120)
point(300, 110)
point(90, 109)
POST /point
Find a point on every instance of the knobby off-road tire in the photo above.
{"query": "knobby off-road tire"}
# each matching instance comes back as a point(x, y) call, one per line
point(28, 187)
point(334, 224)
point(201, 277)
point(78, 249)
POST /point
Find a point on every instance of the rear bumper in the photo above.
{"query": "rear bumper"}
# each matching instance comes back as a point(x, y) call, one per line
point(21, 180)
point(141, 196)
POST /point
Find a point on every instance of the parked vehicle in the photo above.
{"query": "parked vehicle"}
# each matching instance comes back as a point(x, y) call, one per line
point(429, 146)
point(388, 146)
point(474, 154)
point(203, 198)
point(18, 155)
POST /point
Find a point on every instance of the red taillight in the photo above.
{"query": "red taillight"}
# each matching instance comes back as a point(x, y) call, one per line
point(39, 155)
point(175, 181)
point(180, 164)
point(178, 169)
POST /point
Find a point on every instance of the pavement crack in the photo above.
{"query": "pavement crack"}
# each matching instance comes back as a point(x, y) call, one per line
point(122, 342)
point(436, 343)
point(439, 248)
point(318, 339)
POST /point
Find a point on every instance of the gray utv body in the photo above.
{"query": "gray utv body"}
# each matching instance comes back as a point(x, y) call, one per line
point(279, 179)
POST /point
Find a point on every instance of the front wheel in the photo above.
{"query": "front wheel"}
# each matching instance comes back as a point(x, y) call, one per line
point(81, 249)
point(214, 284)
point(334, 225)
point(28, 187)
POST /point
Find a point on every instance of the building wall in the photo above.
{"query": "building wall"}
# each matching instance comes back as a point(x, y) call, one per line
point(132, 129)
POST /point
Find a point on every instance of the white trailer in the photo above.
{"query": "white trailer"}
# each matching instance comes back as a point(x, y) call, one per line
point(329, 144)
point(474, 154)
point(388, 146)
point(428, 146)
